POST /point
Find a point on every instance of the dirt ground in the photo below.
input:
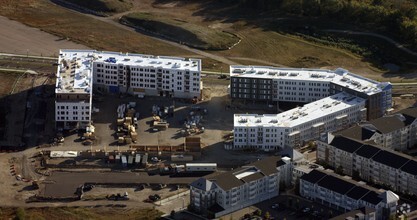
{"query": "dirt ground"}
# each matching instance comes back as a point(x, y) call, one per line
point(32, 41)
point(217, 123)
point(403, 103)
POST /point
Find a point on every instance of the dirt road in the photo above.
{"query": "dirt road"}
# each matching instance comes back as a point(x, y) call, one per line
point(21, 39)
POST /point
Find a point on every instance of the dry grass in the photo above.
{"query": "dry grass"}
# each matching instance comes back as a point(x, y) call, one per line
point(105, 6)
point(293, 52)
point(82, 29)
point(195, 35)
point(7, 81)
point(68, 213)
point(257, 43)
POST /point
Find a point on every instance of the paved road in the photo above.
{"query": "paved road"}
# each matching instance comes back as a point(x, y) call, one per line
point(398, 45)
point(28, 56)
point(63, 184)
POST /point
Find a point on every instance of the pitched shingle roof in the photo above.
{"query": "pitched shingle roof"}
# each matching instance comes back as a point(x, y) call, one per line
point(357, 192)
point(388, 124)
point(345, 144)
point(390, 159)
point(367, 151)
point(336, 184)
point(372, 197)
point(410, 167)
point(357, 132)
point(314, 176)
point(203, 184)
point(266, 167)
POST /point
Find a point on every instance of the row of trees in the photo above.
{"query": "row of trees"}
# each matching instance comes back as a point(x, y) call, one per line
point(395, 16)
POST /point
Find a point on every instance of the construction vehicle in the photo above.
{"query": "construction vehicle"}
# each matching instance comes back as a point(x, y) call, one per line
point(35, 184)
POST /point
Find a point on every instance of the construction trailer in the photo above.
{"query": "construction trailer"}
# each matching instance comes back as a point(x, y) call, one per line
point(200, 167)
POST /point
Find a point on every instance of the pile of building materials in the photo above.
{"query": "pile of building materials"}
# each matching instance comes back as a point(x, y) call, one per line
point(126, 124)
point(89, 133)
point(193, 122)
point(163, 111)
point(158, 123)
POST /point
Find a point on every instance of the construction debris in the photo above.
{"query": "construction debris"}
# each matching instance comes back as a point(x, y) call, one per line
point(127, 123)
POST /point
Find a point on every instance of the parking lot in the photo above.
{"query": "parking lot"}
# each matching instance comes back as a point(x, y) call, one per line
point(64, 184)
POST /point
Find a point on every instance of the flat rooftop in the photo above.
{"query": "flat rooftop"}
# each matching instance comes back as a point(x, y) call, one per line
point(74, 73)
point(300, 115)
point(165, 62)
point(77, 78)
point(339, 76)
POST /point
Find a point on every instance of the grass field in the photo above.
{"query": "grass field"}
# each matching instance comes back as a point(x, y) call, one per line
point(82, 29)
point(67, 213)
point(260, 42)
point(104, 6)
point(178, 30)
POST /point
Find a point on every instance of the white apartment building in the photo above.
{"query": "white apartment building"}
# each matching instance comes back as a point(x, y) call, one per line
point(239, 188)
point(147, 75)
point(369, 162)
point(141, 75)
point(346, 195)
point(270, 84)
point(73, 91)
point(396, 132)
point(296, 126)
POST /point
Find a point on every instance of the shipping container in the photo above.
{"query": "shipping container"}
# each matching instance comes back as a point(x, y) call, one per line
point(124, 161)
point(137, 159)
point(145, 159)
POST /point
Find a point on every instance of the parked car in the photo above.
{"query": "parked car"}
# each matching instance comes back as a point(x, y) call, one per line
point(275, 206)
point(154, 198)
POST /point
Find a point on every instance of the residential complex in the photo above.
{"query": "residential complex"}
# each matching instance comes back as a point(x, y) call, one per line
point(81, 70)
point(346, 195)
point(259, 83)
point(337, 99)
point(294, 127)
point(242, 187)
point(370, 162)
point(396, 132)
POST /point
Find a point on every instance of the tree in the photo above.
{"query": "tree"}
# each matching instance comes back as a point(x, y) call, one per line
point(172, 214)
point(339, 170)
point(267, 215)
point(20, 213)
point(258, 212)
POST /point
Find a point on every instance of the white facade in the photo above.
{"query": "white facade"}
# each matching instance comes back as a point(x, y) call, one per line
point(346, 195)
point(302, 85)
point(112, 72)
point(73, 90)
point(294, 127)
point(370, 163)
point(240, 188)
point(147, 75)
